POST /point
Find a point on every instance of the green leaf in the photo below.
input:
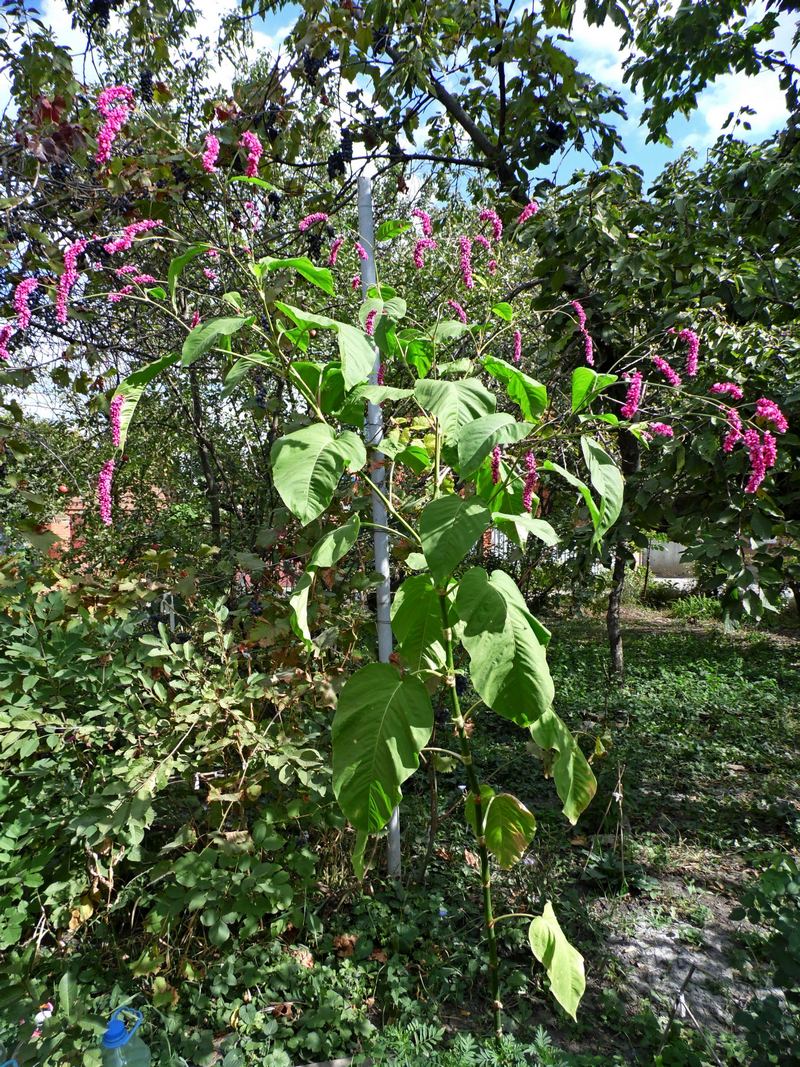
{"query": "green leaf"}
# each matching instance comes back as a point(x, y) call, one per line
point(529, 395)
point(326, 553)
point(417, 624)
point(392, 228)
point(454, 403)
point(504, 311)
point(302, 265)
point(132, 389)
point(448, 329)
point(582, 488)
point(508, 828)
point(563, 963)
point(477, 439)
point(586, 384)
point(606, 478)
point(525, 524)
point(382, 723)
point(67, 995)
point(575, 782)
point(355, 350)
point(177, 265)
point(205, 336)
point(307, 466)
point(255, 181)
point(448, 528)
point(506, 647)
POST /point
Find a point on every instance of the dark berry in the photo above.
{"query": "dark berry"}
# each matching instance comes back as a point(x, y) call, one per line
point(146, 87)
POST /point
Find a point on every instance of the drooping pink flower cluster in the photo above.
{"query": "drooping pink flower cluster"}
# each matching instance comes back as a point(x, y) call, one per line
point(497, 453)
point(123, 243)
point(763, 454)
point(517, 357)
point(633, 395)
point(465, 261)
point(195, 319)
point(661, 429)
point(669, 373)
point(68, 277)
point(693, 350)
point(423, 245)
point(361, 252)
point(484, 242)
point(369, 323)
point(5, 336)
point(212, 275)
point(211, 154)
point(379, 375)
point(355, 281)
point(334, 252)
point(144, 279)
point(120, 294)
point(727, 389)
point(588, 345)
point(115, 414)
point(255, 150)
point(128, 268)
point(531, 481)
point(425, 219)
point(454, 304)
point(21, 294)
point(309, 220)
point(527, 213)
point(770, 412)
point(734, 433)
point(490, 215)
point(254, 213)
point(104, 482)
point(491, 266)
point(115, 105)
point(213, 253)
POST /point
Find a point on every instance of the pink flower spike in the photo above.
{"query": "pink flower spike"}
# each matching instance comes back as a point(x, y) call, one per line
point(123, 243)
point(104, 482)
point(465, 261)
point(497, 452)
point(195, 320)
point(369, 323)
point(454, 304)
point(420, 247)
point(355, 282)
point(361, 251)
point(425, 219)
point(309, 220)
point(527, 213)
point(491, 266)
point(671, 375)
point(115, 105)
point(5, 335)
point(68, 278)
point(484, 242)
point(758, 461)
point(770, 412)
point(490, 215)
point(531, 481)
point(633, 395)
point(120, 294)
point(578, 309)
point(517, 357)
point(769, 449)
point(337, 244)
point(213, 253)
point(693, 342)
point(21, 294)
point(115, 414)
point(129, 268)
point(727, 389)
point(734, 434)
point(211, 154)
point(144, 279)
point(661, 429)
point(379, 375)
point(210, 274)
point(255, 150)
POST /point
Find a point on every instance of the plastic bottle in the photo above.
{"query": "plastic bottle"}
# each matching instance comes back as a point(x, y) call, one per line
point(123, 1047)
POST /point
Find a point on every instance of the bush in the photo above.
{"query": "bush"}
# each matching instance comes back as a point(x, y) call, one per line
point(696, 607)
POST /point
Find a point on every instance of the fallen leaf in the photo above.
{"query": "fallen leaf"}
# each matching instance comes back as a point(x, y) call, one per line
point(471, 859)
point(345, 944)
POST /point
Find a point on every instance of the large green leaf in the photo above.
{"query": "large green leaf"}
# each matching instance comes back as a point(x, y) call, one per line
point(391, 228)
point(355, 349)
point(133, 387)
point(586, 384)
point(525, 524)
point(448, 529)
point(508, 828)
point(326, 552)
point(606, 478)
point(302, 265)
point(506, 647)
point(454, 403)
point(417, 624)
point(563, 759)
point(307, 466)
point(529, 395)
point(477, 439)
point(563, 963)
point(382, 723)
point(175, 268)
point(582, 488)
point(205, 336)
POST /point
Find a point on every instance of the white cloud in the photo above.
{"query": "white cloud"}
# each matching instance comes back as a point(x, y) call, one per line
point(731, 92)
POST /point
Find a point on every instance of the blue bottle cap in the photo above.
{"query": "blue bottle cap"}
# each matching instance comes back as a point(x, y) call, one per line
point(117, 1034)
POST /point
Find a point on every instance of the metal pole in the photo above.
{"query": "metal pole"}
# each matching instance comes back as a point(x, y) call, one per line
point(373, 435)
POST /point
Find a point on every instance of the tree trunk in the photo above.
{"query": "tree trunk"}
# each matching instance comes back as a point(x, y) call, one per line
point(617, 661)
point(212, 486)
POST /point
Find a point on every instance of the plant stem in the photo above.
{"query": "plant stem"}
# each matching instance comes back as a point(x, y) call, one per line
point(480, 819)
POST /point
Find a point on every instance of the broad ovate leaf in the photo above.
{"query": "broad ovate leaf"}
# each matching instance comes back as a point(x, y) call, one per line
point(132, 389)
point(327, 552)
point(355, 349)
point(177, 265)
point(302, 265)
point(506, 647)
point(205, 336)
point(448, 528)
point(563, 963)
point(529, 395)
point(586, 384)
point(307, 466)
point(382, 723)
point(608, 482)
point(454, 403)
point(508, 829)
point(417, 624)
point(565, 763)
point(477, 439)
